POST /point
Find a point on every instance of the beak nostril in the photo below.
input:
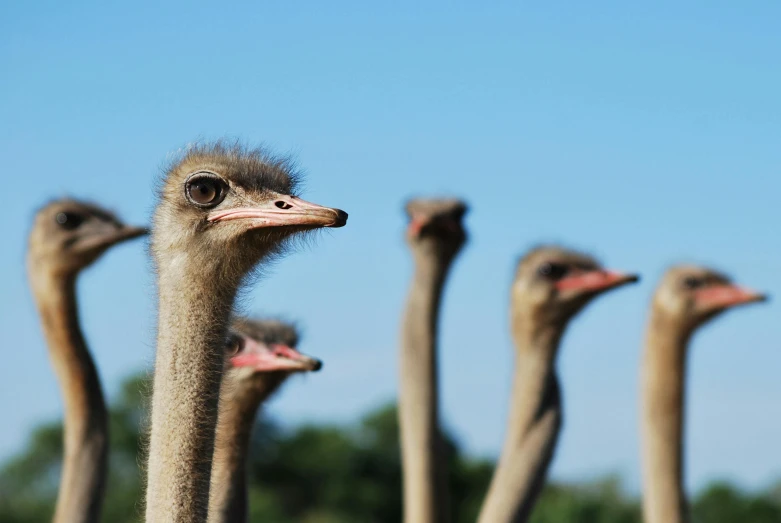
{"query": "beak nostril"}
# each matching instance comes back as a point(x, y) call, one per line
point(282, 205)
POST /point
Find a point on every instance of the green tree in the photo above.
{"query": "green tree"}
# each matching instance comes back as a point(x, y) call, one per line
point(722, 503)
point(333, 474)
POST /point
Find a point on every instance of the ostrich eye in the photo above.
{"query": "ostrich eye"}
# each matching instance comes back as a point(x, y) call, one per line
point(692, 283)
point(205, 190)
point(553, 271)
point(69, 220)
point(234, 345)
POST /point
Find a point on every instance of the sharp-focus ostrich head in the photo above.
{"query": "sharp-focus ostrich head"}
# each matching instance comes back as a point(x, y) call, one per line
point(68, 235)
point(225, 207)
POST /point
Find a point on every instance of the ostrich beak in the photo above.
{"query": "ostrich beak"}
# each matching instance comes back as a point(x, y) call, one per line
point(416, 224)
point(596, 281)
point(420, 221)
point(727, 295)
point(294, 360)
point(283, 210)
point(266, 358)
point(128, 233)
point(110, 237)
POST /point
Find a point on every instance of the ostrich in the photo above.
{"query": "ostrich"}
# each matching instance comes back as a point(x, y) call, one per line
point(435, 236)
point(261, 356)
point(222, 210)
point(686, 298)
point(551, 286)
point(68, 236)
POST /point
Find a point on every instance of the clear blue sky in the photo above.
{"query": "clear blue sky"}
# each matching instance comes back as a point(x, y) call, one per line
point(644, 134)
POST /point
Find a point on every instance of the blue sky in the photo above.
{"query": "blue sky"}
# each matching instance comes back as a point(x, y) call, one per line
point(644, 134)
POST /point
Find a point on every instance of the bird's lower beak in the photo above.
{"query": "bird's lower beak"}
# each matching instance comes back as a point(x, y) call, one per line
point(284, 211)
point(724, 296)
point(596, 281)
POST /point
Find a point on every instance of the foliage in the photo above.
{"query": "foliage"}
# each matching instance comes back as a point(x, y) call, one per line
point(334, 474)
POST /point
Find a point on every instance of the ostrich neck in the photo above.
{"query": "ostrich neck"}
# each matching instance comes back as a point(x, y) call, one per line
point(533, 426)
point(191, 335)
point(425, 494)
point(239, 404)
point(83, 477)
point(664, 369)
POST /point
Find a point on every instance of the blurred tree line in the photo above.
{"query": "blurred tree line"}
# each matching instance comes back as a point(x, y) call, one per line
point(334, 474)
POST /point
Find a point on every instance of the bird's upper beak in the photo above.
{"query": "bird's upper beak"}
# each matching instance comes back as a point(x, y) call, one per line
point(726, 295)
point(596, 280)
point(266, 358)
point(282, 211)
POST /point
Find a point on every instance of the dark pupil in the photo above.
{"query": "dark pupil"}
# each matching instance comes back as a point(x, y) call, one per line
point(203, 191)
point(234, 345)
point(553, 271)
point(69, 220)
point(692, 283)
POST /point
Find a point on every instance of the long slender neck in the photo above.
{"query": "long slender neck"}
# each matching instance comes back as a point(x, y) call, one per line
point(82, 483)
point(533, 425)
point(423, 460)
point(239, 404)
point(663, 389)
point(192, 327)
